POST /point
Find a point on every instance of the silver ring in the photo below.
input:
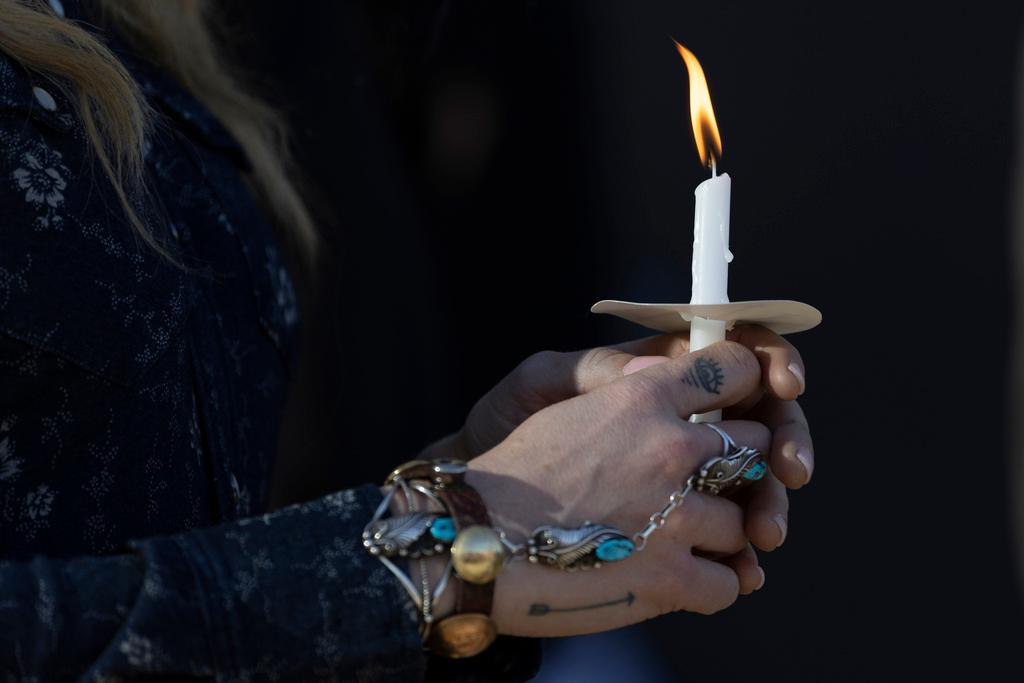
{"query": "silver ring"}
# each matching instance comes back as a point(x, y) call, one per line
point(728, 445)
point(738, 466)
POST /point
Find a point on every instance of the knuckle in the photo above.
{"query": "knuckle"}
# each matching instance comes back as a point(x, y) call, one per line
point(723, 598)
point(590, 366)
point(760, 432)
point(686, 440)
point(737, 540)
point(761, 436)
point(596, 357)
point(665, 466)
point(742, 358)
point(688, 519)
point(680, 442)
point(539, 364)
point(794, 422)
point(641, 389)
point(673, 448)
point(679, 578)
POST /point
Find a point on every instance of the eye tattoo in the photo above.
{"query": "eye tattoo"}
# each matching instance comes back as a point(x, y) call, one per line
point(705, 374)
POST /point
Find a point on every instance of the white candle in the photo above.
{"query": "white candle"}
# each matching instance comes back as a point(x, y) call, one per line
point(711, 255)
point(711, 258)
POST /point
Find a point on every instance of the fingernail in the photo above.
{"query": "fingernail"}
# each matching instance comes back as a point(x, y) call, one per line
point(641, 362)
point(798, 372)
point(760, 583)
point(804, 456)
point(780, 522)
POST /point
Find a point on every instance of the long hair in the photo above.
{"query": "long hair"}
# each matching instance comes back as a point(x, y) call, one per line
point(114, 113)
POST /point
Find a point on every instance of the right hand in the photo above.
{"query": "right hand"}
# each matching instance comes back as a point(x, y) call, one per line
point(613, 456)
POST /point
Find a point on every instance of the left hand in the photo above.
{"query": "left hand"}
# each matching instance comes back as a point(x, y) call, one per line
point(549, 377)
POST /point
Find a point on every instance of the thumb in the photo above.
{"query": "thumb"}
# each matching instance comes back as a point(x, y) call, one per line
point(554, 376)
point(596, 367)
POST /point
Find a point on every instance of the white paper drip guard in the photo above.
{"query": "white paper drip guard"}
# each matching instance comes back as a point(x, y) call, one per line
point(781, 317)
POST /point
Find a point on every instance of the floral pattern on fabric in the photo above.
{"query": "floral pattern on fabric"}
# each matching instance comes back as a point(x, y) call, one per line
point(139, 409)
point(43, 176)
point(139, 397)
point(253, 600)
point(141, 400)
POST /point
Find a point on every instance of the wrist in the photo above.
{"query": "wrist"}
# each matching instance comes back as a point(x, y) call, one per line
point(456, 624)
point(506, 499)
point(451, 447)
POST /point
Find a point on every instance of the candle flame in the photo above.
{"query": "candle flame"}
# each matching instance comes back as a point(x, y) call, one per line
point(702, 115)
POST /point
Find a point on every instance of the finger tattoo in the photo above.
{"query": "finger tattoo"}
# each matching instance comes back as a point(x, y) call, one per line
point(706, 374)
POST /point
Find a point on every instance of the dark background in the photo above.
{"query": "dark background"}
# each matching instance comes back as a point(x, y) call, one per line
point(486, 171)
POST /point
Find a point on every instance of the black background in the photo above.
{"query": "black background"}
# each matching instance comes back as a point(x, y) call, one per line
point(486, 171)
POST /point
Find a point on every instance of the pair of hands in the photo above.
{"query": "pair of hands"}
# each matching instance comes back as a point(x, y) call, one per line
point(603, 435)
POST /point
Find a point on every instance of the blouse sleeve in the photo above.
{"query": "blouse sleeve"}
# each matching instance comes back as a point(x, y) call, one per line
point(285, 596)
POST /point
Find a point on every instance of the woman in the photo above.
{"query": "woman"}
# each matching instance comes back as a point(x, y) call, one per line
point(147, 332)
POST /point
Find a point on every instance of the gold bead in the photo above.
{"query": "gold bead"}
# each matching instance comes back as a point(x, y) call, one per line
point(478, 554)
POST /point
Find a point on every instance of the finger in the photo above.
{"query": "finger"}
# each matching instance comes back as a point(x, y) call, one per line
point(666, 345)
point(792, 451)
point(563, 375)
point(699, 443)
point(711, 526)
point(767, 520)
point(745, 406)
point(782, 367)
point(743, 433)
point(747, 568)
point(550, 376)
point(715, 377)
point(711, 586)
point(596, 367)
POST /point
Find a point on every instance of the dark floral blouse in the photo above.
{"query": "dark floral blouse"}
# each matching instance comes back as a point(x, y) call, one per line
point(139, 408)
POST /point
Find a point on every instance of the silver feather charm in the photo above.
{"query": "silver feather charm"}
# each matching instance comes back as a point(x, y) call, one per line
point(577, 548)
point(741, 467)
point(396, 535)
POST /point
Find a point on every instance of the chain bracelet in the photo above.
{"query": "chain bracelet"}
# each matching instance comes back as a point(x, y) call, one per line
point(737, 466)
point(659, 518)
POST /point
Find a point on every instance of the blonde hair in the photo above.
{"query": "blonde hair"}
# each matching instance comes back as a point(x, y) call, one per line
point(116, 118)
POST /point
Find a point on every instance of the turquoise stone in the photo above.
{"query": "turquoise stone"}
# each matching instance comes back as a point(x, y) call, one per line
point(443, 529)
point(756, 472)
point(614, 549)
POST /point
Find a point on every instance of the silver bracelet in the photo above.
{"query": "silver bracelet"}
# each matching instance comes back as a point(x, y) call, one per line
point(584, 547)
point(423, 597)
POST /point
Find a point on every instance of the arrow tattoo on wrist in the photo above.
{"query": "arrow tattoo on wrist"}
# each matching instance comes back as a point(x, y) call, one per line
point(540, 609)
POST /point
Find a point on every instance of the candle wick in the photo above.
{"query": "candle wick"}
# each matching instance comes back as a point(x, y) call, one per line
point(714, 168)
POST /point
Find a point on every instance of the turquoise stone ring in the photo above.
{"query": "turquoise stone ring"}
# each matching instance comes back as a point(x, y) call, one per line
point(756, 471)
point(738, 466)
